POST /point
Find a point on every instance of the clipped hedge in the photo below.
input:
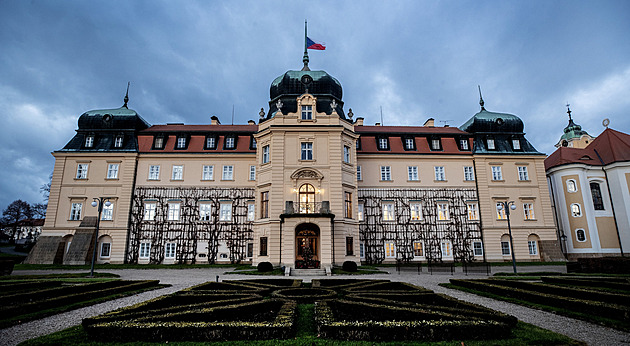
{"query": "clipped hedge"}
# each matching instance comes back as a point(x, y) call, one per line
point(235, 286)
point(305, 295)
point(268, 282)
point(611, 283)
point(342, 283)
point(343, 320)
point(264, 267)
point(584, 306)
point(387, 286)
point(349, 266)
point(11, 288)
point(268, 319)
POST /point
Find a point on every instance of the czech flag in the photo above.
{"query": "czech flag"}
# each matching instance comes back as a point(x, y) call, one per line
point(310, 44)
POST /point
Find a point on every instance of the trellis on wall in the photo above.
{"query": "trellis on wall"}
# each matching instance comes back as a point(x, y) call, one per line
point(190, 234)
point(403, 231)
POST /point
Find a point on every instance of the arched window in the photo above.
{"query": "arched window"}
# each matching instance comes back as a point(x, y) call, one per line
point(307, 198)
point(596, 193)
point(580, 235)
point(571, 185)
point(576, 211)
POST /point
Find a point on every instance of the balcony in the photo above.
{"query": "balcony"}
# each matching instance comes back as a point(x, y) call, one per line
point(305, 208)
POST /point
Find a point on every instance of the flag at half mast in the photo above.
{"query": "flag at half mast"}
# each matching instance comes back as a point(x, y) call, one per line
point(310, 44)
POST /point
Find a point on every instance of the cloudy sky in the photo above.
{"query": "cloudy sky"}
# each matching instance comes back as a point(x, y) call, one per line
point(189, 60)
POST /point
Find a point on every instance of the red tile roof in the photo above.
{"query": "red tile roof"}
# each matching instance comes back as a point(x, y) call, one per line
point(201, 128)
point(612, 146)
point(409, 129)
point(195, 145)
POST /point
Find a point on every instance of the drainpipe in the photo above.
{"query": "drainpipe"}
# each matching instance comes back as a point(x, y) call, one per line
point(281, 222)
point(612, 205)
point(332, 228)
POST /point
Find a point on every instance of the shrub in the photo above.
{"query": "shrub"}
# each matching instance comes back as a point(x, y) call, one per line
point(265, 267)
point(349, 266)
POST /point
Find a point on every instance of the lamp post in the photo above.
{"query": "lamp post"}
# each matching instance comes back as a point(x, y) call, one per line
point(507, 206)
point(98, 202)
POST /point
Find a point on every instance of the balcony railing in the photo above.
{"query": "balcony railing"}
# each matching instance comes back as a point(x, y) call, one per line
point(307, 207)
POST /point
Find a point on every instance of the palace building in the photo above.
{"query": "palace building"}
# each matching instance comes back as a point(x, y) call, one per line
point(307, 185)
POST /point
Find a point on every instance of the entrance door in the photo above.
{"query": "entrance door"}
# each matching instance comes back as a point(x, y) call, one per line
point(307, 248)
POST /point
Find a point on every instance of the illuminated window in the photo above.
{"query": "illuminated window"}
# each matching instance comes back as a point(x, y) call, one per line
point(528, 210)
point(501, 211)
point(388, 211)
point(473, 211)
point(418, 249)
point(390, 250)
point(306, 199)
point(447, 249)
point(416, 211)
point(442, 211)
point(348, 203)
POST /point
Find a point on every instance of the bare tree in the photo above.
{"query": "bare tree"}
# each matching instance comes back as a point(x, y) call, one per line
point(17, 211)
point(45, 188)
point(39, 210)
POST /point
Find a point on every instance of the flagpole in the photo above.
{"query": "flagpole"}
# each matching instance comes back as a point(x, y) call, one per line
point(305, 58)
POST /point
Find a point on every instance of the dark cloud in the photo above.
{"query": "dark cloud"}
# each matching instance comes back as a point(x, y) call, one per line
point(188, 60)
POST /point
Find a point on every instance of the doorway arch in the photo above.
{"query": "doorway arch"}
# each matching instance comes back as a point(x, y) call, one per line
point(307, 248)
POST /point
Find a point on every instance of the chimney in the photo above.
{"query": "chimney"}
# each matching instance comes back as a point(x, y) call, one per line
point(429, 123)
point(251, 122)
point(377, 124)
point(359, 121)
point(214, 120)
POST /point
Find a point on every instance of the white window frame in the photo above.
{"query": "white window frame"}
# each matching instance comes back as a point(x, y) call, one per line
point(75, 211)
point(574, 183)
point(475, 248)
point(361, 250)
point(421, 247)
point(112, 170)
point(108, 212)
point(409, 142)
point(251, 211)
point(306, 151)
point(382, 143)
point(390, 249)
point(523, 175)
point(472, 209)
point(170, 250)
point(181, 142)
point(307, 112)
point(388, 211)
point(225, 211)
point(359, 173)
point(577, 235)
point(265, 154)
point(82, 170)
point(579, 210)
point(463, 143)
point(386, 173)
point(435, 144)
point(154, 172)
point(412, 172)
point(469, 173)
point(174, 211)
point(447, 249)
point(506, 249)
point(532, 246)
point(228, 173)
point(252, 172)
point(145, 250)
point(207, 172)
point(516, 144)
point(205, 212)
point(158, 143)
point(211, 142)
point(497, 174)
point(229, 142)
point(178, 172)
point(415, 211)
point(528, 211)
point(103, 247)
point(491, 145)
point(118, 141)
point(440, 173)
point(89, 141)
point(149, 211)
point(443, 213)
point(346, 154)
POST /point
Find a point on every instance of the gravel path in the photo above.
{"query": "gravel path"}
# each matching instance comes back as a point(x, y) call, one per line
point(590, 333)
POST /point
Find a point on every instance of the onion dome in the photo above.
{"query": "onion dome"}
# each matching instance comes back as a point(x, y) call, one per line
point(572, 131)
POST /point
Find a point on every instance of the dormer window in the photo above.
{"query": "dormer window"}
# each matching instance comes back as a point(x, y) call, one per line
point(118, 141)
point(463, 144)
point(516, 144)
point(252, 143)
point(89, 141)
point(230, 142)
point(409, 144)
point(158, 142)
point(435, 144)
point(181, 142)
point(358, 143)
point(491, 144)
point(211, 142)
point(383, 143)
point(307, 112)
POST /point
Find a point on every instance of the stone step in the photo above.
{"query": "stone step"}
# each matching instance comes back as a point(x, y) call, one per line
point(308, 272)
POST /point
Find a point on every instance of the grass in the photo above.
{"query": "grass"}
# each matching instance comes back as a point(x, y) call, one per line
point(63, 276)
point(124, 266)
point(620, 325)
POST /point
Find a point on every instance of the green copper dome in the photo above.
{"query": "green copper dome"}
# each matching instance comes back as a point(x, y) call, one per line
point(573, 131)
point(492, 122)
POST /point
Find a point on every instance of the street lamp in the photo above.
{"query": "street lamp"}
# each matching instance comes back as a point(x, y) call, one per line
point(507, 206)
point(98, 202)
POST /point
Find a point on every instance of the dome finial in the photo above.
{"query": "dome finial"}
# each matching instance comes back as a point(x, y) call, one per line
point(481, 103)
point(305, 58)
point(569, 112)
point(126, 99)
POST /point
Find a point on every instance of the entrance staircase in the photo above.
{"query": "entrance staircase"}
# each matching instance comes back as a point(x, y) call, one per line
point(310, 272)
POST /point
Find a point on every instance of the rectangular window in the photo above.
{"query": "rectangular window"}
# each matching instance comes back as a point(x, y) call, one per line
point(501, 211)
point(496, 173)
point(533, 247)
point(516, 144)
point(412, 172)
point(169, 250)
point(207, 173)
point(409, 144)
point(382, 143)
point(252, 172)
point(229, 142)
point(522, 173)
point(473, 211)
point(154, 172)
point(250, 249)
point(361, 250)
point(265, 154)
point(349, 246)
point(390, 250)
point(158, 142)
point(211, 142)
point(435, 144)
point(228, 172)
point(307, 151)
point(348, 203)
point(264, 204)
point(388, 211)
point(505, 248)
point(82, 169)
point(528, 210)
point(108, 212)
point(251, 212)
point(253, 143)
point(418, 249)
point(149, 211)
point(178, 172)
point(118, 142)
point(145, 250)
point(173, 211)
point(439, 173)
point(469, 174)
point(346, 154)
point(359, 175)
point(442, 211)
point(463, 144)
point(89, 141)
point(477, 248)
point(205, 211)
point(112, 171)
point(386, 173)
point(491, 144)
point(360, 213)
point(416, 211)
point(447, 249)
point(263, 246)
point(75, 211)
point(226, 211)
point(181, 142)
point(307, 112)
point(106, 249)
